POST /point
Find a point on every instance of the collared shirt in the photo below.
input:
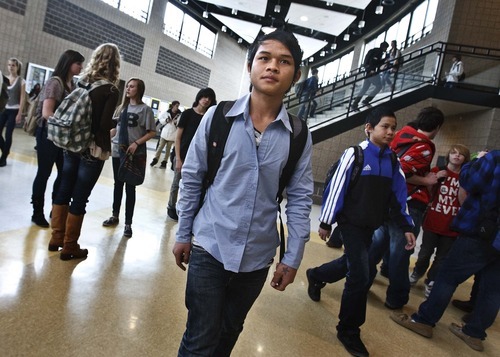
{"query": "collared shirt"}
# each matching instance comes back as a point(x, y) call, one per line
point(237, 221)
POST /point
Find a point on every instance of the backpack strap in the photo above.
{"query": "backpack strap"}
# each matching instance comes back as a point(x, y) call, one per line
point(359, 159)
point(217, 137)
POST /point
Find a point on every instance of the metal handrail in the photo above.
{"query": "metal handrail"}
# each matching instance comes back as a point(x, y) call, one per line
point(407, 79)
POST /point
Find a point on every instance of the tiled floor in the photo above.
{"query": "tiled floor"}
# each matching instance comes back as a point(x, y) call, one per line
point(127, 297)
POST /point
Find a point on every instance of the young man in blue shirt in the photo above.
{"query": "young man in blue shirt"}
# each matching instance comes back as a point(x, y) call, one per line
point(235, 232)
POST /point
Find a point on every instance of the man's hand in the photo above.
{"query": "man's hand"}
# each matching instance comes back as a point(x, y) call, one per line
point(410, 241)
point(283, 276)
point(324, 234)
point(181, 251)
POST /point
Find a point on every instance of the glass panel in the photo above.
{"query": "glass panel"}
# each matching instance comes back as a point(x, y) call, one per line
point(139, 10)
point(113, 3)
point(403, 29)
point(206, 42)
point(190, 31)
point(345, 64)
point(417, 22)
point(173, 21)
point(392, 33)
point(431, 13)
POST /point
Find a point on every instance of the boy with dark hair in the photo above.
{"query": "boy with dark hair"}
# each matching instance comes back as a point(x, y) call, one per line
point(380, 186)
point(414, 146)
point(186, 127)
point(235, 231)
point(374, 60)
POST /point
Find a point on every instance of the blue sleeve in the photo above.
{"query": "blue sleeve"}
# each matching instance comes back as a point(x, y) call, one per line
point(474, 174)
point(333, 200)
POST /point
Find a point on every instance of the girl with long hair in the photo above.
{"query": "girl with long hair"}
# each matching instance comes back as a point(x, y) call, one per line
point(82, 170)
point(57, 87)
point(140, 127)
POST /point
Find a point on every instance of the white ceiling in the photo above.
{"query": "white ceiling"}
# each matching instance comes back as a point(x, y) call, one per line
point(246, 30)
point(358, 4)
point(331, 22)
point(257, 7)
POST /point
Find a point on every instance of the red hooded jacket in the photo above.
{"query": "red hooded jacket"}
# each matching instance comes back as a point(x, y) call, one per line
point(418, 151)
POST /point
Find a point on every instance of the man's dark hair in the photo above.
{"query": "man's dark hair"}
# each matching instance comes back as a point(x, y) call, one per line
point(428, 119)
point(205, 92)
point(314, 71)
point(286, 38)
point(384, 44)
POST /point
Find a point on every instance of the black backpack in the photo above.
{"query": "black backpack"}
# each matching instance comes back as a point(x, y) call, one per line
point(357, 168)
point(217, 137)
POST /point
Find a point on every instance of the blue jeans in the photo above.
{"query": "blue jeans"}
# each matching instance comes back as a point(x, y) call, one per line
point(7, 121)
point(79, 176)
point(354, 266)
point(392, 237)
point(47, 155)
point(118, 194)
point(466, 257)
point(218, 302)
point(367, 83)
point(430, 241)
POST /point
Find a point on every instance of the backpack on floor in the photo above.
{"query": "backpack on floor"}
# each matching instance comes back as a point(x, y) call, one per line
point(70, 126)
point(217, 137)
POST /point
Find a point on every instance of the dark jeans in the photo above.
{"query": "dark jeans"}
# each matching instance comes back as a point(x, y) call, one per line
point(47, 155)
point(118, 194)
point(431, 241)
point(390, 236)
point(7, 121)
point(79, 176)
point(466, 257)
point(354, 266)
point(308, 107)
point(218, 302)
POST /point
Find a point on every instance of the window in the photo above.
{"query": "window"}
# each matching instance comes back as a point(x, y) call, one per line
point(336, 69)
point(139, 10)
point(185, 29)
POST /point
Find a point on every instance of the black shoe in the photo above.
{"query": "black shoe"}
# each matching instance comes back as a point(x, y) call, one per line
point(466, 306)
point(163, 165)
point(392, 307)
point(3, 163)
point(172, 214)
point(111, 222)
point(127, 232)
point(354, 108)
point(334, 244)
point(40, 220)
point(466, 318)
point(153, 162)
point(353, 344)
point(314, 287)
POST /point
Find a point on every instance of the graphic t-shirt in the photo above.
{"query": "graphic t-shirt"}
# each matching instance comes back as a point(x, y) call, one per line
point(140, 119)
point(444, 206)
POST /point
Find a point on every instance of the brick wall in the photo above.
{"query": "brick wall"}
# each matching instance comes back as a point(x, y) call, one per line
point(190, 73)
point(16, 6)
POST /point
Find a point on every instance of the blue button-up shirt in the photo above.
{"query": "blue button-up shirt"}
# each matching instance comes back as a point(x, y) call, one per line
point(237, 221)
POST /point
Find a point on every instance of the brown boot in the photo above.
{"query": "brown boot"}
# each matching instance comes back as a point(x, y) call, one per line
point(71, 248)
point(59, 215)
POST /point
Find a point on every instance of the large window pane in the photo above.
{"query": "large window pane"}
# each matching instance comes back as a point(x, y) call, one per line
point(392, 33)
point(431, 14)
point(418, 20)
point(139, 10)
point(206, 42)
point(190, 31)
point(173, 21)
point(345, 64)
point(403, 29)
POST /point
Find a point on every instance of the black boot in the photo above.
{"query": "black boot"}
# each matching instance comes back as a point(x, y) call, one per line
point(38, 218)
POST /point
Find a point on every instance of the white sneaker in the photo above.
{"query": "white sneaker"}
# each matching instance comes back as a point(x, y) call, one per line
point(414, 278)
point(428, 288)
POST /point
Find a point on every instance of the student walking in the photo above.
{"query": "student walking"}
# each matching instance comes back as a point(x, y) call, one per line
point(379, 188)
point(235, 232)
point(168, 120)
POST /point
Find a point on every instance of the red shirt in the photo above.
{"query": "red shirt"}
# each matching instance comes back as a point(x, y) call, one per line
point(444, 206)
